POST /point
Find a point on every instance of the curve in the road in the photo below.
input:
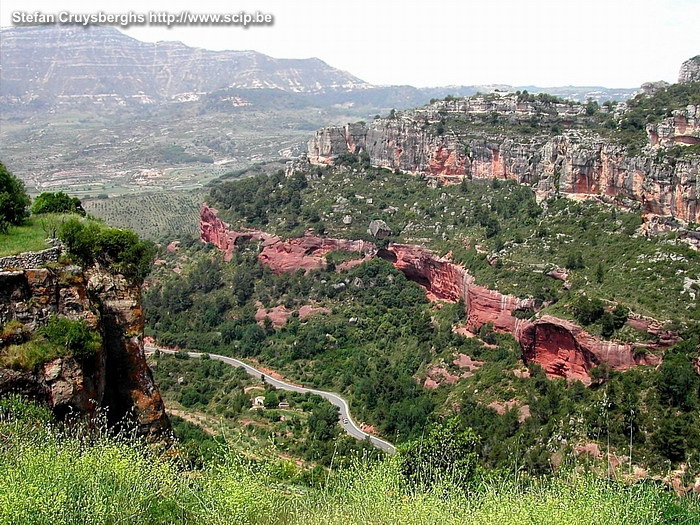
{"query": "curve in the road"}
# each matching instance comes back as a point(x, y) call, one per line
point(345, 419)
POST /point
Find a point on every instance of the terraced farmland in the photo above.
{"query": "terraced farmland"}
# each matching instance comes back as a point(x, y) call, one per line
point(160, 215)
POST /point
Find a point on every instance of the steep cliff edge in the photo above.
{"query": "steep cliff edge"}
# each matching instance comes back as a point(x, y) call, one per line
point(562, 348)
point(217, 232)
point(553, 146)
point(575, 163)
point(116, 376)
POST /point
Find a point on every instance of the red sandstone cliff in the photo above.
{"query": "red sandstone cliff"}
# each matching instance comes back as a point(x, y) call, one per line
point(289, 255)
point(305, 253)
point(561, 347)
point(215, 231)
point(564, 349)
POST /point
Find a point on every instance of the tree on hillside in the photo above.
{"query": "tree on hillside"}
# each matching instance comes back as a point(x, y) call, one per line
point(13, 200)
point(58, 202)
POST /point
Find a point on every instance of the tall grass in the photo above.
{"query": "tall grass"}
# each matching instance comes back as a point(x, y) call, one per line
point(50, 475)
point(379, 496)
point(32, 235)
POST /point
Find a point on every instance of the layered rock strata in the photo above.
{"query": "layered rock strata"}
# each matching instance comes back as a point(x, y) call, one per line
point(576, 163)
point(116, 376)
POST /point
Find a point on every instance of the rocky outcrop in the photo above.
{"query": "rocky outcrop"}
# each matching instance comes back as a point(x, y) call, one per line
point(305, 253)
point(279, 315)
point(288, 255)
point(333, 141)
point(215, 231)
point(576, 162)
point(690, 70)
point(131, 392)
point(683, 127)
point(561, 347)
point(447, 281)
point(442, 279)
point(116, 376)
point(564, 349)
point(31, 296)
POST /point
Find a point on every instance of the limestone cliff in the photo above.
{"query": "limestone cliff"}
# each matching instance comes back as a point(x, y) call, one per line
point(690, 70)
point(116, 376)
point(575, 163)
point(492, 137)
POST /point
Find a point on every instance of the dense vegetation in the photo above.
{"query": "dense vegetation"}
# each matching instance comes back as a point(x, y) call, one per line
point(14, 200)
point(53, 475)
point(119, 251)
point(645, 109)
point(381, 337)
point(508, 241)
point(58, 202)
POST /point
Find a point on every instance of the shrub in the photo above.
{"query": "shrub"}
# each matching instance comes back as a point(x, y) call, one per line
point(119, 250)
point(76, 338)
point(13, 200)
point(678, 383)
point(607, 323)
point(588, 311)
point(58, 202)
point(620, 315)
point(446, 455)
point(60, 337)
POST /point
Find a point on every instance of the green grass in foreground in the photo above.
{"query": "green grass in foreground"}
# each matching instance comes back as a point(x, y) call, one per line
point(48, 476)
point(32, 235)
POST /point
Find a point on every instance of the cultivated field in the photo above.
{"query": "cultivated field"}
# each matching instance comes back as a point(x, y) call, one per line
point(156, 215)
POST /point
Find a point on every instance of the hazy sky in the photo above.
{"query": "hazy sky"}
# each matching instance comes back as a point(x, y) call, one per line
point(613, 43)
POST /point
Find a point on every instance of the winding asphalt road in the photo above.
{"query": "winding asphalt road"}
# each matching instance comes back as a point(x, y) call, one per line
point(344, 411)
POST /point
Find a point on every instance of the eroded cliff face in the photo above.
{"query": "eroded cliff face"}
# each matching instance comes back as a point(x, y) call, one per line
point(116, 376)
point(576, 163)
point(562, 348)
point(215, 231)
point(683, 127)
point(130, 392)
point(31, 296)
point(690, 70)
point(289, 255)
point(305, 253)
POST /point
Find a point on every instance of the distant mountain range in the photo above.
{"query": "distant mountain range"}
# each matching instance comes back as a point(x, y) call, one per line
point(65, 66)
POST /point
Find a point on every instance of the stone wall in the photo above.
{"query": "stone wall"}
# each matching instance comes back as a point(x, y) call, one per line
point(31, 259)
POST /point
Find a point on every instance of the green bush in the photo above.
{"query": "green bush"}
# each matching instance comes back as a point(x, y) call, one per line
point(13, 200)
point(58, 202)
point(588, 311)
point(75, 338)
point(121, 251)
point(447, 454)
